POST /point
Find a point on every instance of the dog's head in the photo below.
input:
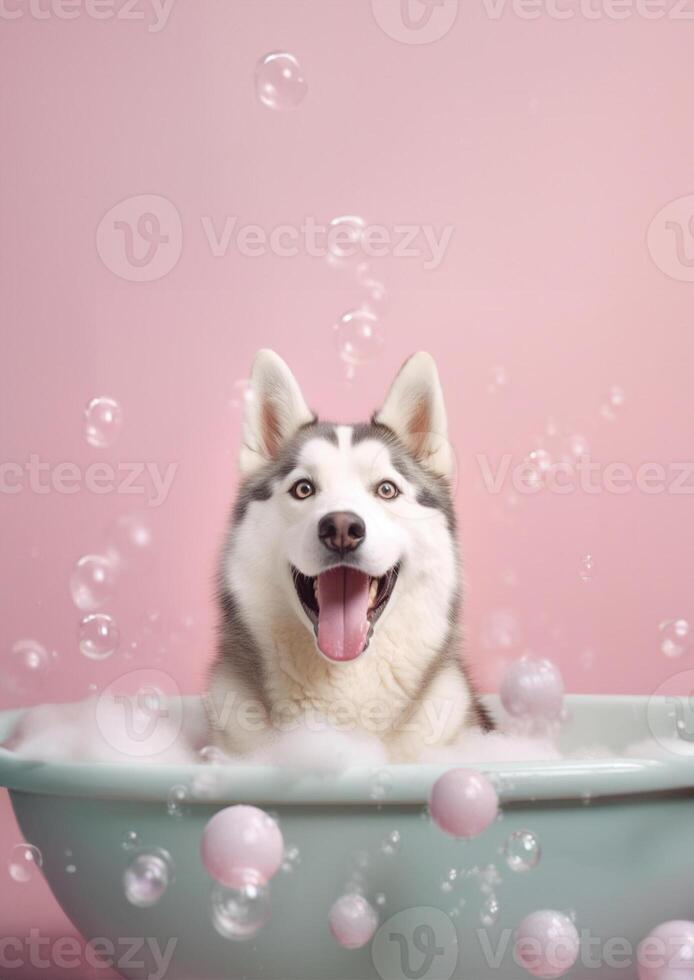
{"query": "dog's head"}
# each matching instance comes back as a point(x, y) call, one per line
point(342, 522)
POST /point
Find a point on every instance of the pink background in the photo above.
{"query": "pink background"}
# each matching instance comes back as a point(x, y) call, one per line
point(548, 145)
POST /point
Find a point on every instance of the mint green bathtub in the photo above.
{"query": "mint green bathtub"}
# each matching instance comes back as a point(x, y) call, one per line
point(617, 838)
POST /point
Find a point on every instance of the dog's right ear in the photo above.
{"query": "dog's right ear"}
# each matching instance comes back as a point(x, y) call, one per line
point(275, 409)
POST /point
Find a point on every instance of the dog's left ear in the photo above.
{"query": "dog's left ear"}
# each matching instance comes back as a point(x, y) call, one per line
point(415, 411)
point(275, 410)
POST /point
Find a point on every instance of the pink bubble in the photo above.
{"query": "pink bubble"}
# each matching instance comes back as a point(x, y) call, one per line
point(352, 921)
point(667, 953)
point(532, 690)
point(241, 845)
point(463, 802)
point(546, 944)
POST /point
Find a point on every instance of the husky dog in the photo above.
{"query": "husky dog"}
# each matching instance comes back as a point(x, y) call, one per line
point(339, 582)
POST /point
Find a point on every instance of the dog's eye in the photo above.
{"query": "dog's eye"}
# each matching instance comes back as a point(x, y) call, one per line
point(387, 490)
point(302, 489)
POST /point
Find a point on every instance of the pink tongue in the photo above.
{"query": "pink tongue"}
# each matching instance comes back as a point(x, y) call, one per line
point(343, 602)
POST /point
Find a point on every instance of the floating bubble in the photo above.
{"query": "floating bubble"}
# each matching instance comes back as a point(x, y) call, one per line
point(391, 845)
point(578, 446)
point(498, 379)
point(98, 636)
point(103, 420)
point(353, 921)
point(279, 81)
point(241, 844)
point(381, 785)
point(537, 465)
point(675, 637)
point(668, 952)
point(375, 295)
point(130, 840)
point(380, 899)
point(71, 869)
point(449, 880)
point(27, 667)
point(547, 944)
point(147, 877)
point(533, 690)
point(489, 913)
point(292, 859)
point(586, 568)
point(91, 582)
point(240, 913)
point(129, 541)
point(500, 631)
point(241, 395)
point(345, 239)
point(359, 337)
point(615, 400)
point(178, 801)
point(24, 862)
point(463, 802)
point(522, 850)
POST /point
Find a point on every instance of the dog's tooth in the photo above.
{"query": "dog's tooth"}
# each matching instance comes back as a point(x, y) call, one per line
point(373, 591)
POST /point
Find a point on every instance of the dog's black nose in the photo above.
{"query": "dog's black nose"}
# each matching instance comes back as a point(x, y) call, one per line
point(341, 531)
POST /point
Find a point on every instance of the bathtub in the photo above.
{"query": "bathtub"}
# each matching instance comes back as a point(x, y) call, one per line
point(616, 835)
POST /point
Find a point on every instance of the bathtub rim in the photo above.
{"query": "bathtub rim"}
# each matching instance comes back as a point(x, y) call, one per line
point(519, 782)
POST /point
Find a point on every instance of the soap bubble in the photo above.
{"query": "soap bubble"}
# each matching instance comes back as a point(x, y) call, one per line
point(449, 880)
point(345, 237)
point(586, 568)
point(98, 636)
point(177, 801)
point(279, 82)
point(375, 295)
point(129, 540)
point(667, 953)
point(499, 379)
point(547, 944)
point(615, 400)
point(489, 913)
point(463, 802)
point(391, 845)
point(130, 840)
point(675, 637)
point(241, 395)
point(26, 668)
point(359, 337)
point(240, 913)
point(536, 467)
point(241, 844)
point(103, 419)
point(291, 860)
point(381, 785)
point(533, 690)
point(91, 582)
point(353, 921)
point(24, 861)
point(522, 850)
point(147, 877)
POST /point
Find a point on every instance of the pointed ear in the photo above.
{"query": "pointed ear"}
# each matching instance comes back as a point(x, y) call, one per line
point(415, 411)
point(275, 409)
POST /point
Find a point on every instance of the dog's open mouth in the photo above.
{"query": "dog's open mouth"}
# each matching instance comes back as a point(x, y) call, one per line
point(343, 604)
